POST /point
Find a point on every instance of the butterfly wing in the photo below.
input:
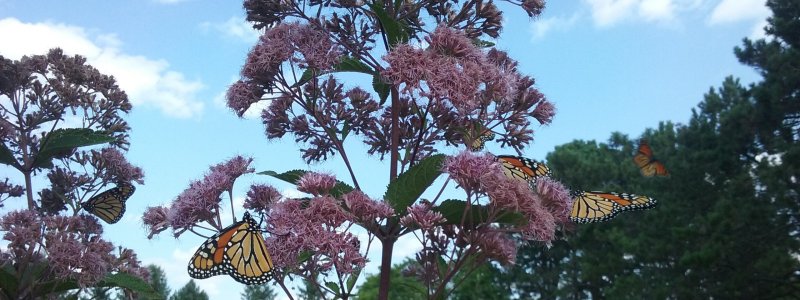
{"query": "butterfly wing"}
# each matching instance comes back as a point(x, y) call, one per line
point(479, 143)
point(238, 250)
point(110, 205)
point(522, 168)
point(588, 207)
point(648, 165)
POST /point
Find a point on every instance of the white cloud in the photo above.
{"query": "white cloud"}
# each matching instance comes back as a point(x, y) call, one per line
point(606, 13)
point(728, 11)
point(235, 27)
point(148, 82)
point(733, 11)
point(540, 28)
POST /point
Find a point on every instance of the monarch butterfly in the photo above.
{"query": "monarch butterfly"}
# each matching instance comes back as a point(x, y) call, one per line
point(238, 250)
point(479, 143)
point(648, 165)
point(110, 205)
point(588, 207)
point(523, 168)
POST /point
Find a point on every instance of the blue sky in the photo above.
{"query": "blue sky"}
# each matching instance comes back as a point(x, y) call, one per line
point(608, 65)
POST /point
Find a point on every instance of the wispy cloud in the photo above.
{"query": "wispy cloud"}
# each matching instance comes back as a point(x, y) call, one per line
point(148, 82)
point(235, 27)
point(734, 11)
point(540, 28)
point(606, 13)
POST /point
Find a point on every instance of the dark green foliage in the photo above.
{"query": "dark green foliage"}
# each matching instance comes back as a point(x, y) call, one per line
point(158, 280)
point(258, 292)
point(190, 291)
point(402, 288)
point(407, 188)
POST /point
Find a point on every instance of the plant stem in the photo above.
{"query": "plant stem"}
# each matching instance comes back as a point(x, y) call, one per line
point(394, 146)
point(29, 189)
point(386, 265)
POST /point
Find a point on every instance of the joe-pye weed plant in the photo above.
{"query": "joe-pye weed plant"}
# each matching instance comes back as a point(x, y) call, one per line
point(436, 83)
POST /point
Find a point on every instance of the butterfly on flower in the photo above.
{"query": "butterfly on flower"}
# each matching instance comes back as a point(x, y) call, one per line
point(589, 207)
point(237, 250)
point(110, 205)
point(647, 163)
point(479, 143)
point(525, 169)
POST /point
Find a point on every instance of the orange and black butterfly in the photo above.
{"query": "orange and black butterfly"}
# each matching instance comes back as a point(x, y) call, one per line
point(589, 207)
point(479, 143)
point(648, 165)
point(518, 167)
point(238, 250)
point(110, 205)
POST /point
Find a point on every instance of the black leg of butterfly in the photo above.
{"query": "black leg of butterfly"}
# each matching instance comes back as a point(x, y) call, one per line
point(110, 205)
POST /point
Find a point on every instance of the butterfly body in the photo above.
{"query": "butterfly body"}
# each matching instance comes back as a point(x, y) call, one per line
point(648, 165)
point(589, 207)
point(238, 250)
point(522, 168)
point(110, 205)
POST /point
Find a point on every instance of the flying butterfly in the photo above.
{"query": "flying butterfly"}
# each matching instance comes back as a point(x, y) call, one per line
point(110, 205)
point(648, 165)
point(589, 207)
point(479, 143)
point(238, 250)
point(518, 167)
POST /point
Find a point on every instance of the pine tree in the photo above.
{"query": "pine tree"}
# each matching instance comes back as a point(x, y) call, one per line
point(258, 292)
point(159, 281)
point(190, 291)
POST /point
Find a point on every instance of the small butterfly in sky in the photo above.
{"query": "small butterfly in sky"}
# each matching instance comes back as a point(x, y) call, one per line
point(647, 163)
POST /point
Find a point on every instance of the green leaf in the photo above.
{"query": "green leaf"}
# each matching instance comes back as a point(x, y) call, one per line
point(482, 44)
point(396, 32)
point(130, 282)
point(345, 130)
point(453, 211)
point(346, 64)
point(8, 282)
point(54, 287)
point(333, 286)
point(351, 281)
point(293, 176)
point(62, 140)
point(7, 157)
point(381, 87)
point(409, 186)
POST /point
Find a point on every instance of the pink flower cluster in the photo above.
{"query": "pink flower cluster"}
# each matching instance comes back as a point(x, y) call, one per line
point(481, 175)
point(366, 210)
point(73, 246)
point(316, 226)
point(201, 201)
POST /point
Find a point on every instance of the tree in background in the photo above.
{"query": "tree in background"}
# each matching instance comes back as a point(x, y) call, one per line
point(158, 280)
point(190, 291)
point(51, 107)
point(776, 109)
point(259, 292)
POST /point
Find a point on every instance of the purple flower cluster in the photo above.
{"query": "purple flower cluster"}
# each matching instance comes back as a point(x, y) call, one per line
point(201, 200)
point(468, 86)
point(317, 226)
point(278, 45)
point(421, 216)
point(480, 175)
point(365, 209)
point(156, 219)
point(115, 166)
point(73, 246)
point(316, 184)
point(261, 196)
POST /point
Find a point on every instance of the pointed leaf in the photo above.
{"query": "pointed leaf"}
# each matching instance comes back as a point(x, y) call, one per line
point(346, 64)
point(409, 186)
point(351, 281)
point(453, 211)
point(8, 282)
point(380, 87)
point(293, 176)
point(7, 157)
point(482, 44)
point(395, 31)
point(62, 140)
point(130, 282)
point(333, 286)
